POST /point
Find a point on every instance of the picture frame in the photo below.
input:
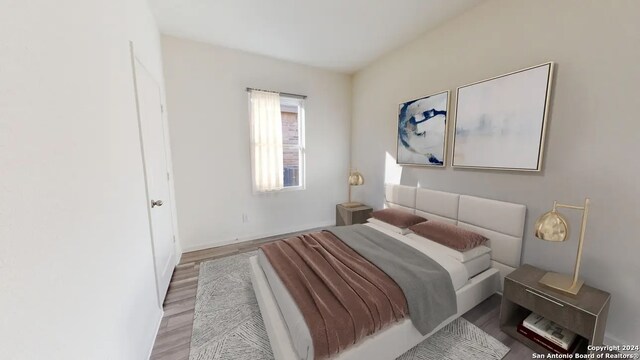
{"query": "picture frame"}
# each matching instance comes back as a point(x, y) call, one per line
point(422, 130)
point(501, 122)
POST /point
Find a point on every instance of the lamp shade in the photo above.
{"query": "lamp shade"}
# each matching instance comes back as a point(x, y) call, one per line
point(552, 226)
point(355, 178)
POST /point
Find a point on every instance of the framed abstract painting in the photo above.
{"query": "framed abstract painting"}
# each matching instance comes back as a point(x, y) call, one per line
point(422, 131)
point(500, 122)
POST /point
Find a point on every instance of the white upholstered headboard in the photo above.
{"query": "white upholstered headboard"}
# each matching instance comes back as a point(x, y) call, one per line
point(501, 222)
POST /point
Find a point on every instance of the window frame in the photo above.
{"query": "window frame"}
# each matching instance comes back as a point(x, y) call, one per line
point(292, 101)
point(299, 103)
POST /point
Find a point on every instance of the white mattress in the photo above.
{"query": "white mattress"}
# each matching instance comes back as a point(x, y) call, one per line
point(298, 330)
point(477, 265)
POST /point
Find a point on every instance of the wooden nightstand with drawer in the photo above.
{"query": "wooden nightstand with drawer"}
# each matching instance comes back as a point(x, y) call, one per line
point(346, 215)
point(585, 313)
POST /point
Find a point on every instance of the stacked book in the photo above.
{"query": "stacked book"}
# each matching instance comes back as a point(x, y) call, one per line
point(548, 334)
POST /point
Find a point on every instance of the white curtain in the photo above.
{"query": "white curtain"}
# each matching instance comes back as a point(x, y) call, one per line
point(266, 138)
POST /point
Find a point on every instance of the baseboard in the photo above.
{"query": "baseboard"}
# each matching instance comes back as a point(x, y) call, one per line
point(178, 249)
point(251, 237)
point(155, 335)
point(178, 258)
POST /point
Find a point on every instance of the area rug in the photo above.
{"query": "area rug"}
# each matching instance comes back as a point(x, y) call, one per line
point(228, 325)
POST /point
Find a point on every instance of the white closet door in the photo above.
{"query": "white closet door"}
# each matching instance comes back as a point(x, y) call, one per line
point(150, 119)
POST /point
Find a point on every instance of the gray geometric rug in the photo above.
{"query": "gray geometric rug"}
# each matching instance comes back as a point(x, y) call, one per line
point(228, 325)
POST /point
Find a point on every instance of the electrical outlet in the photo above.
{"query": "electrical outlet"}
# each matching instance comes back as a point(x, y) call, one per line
point(245, 218)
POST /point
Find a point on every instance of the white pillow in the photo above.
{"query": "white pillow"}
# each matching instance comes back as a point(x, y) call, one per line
point(395, 229)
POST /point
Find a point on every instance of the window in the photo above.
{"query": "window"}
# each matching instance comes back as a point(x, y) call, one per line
point(277, 138)
point(292, 113)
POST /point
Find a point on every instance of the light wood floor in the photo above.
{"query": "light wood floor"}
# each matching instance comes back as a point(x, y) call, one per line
point(174, 336)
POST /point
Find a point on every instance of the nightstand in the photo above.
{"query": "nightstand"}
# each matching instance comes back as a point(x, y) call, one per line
point(352, 215)
point(585, 313)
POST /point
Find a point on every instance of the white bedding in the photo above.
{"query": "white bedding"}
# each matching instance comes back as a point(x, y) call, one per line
point(386, 344)
point(462, 256)
point(298, 331)
point(475, 260)
point(393, 228)
point(477, 265)
point(456, 269)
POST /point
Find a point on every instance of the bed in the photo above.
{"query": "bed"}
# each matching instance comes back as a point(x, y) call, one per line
point(501, 222)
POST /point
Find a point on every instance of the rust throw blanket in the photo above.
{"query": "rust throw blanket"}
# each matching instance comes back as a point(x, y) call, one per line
point(342, 296)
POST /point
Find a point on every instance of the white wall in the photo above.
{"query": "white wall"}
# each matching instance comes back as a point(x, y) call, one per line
point(76, 269)
point(209, 125)
point(593, 137)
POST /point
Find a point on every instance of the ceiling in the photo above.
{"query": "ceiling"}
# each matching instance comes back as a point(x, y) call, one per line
point(341, 35)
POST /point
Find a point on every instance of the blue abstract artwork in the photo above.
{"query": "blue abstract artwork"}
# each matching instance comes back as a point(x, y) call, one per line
point(422, 130)
point(500, 122)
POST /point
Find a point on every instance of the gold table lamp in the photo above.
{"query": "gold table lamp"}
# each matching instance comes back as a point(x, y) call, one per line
point(355, 179)
point(552, 226)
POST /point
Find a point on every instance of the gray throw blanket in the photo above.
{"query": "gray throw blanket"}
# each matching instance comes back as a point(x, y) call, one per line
point(427, 286)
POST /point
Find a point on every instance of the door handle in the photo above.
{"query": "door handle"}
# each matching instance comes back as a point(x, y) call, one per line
point(155, 203)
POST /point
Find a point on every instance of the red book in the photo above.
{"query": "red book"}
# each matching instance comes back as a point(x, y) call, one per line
point(546, 343)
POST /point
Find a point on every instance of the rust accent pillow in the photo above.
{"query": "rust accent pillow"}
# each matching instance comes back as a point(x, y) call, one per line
point(399, 218)
point(451, 236)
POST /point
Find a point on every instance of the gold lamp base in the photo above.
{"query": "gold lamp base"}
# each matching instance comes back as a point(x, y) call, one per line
point(351, 204)
point(561, 282)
